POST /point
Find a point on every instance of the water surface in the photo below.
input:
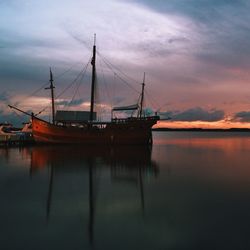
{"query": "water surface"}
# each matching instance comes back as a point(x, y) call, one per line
point(190, 190)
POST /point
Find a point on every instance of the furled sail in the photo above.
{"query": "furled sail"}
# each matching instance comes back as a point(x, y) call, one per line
point(130, 107)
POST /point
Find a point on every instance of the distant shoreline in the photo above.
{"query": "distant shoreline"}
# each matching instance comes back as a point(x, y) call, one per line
point(203, 129)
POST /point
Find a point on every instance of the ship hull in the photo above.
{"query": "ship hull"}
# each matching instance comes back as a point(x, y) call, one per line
point(126, 132)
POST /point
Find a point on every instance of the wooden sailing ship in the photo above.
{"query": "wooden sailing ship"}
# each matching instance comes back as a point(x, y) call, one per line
point(131, 130)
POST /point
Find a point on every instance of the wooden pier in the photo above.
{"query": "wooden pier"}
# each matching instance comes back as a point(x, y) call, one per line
point(15, 140)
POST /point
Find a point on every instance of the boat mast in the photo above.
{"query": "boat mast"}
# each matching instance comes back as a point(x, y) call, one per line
point(51, 87)
point(93, 82)
point(142, 95)
point(26, 113)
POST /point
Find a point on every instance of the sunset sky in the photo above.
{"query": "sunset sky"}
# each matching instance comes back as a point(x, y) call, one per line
point(196, 55)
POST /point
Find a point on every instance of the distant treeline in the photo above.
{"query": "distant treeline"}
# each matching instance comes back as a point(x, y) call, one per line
point(204, 129)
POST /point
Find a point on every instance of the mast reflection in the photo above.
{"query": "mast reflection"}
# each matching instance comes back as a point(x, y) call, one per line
point(50, 189)
point(126, 164)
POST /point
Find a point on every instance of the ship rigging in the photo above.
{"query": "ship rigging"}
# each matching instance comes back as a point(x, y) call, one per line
point(130, 130)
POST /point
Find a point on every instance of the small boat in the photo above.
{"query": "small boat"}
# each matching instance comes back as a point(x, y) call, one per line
point(10, 135)
point(7, 134)
point(128, 131)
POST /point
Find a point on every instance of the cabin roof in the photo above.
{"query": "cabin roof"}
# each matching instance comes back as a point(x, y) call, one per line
point(73, 116)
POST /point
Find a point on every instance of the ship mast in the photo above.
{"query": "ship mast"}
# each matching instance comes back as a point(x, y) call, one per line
point(142, 95)
point(93, 82)
point(51, 87)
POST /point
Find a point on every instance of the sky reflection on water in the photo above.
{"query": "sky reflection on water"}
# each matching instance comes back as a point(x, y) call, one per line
point(191, 191)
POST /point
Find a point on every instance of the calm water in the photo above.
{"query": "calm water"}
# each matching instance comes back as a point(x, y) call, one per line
point(190, 191)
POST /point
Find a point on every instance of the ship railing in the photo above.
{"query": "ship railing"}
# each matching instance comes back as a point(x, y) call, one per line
point(131, 119)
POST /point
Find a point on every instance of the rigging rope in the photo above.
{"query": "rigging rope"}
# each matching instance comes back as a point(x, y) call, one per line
point(68, 70)
point(116, 71)
point(152, 101)
point(108, 62)
point(80, 82)
point(17, 114)
point(70, 85)
point(110, 66)
point(105, 84)
point(45, 84)
point(32, 94)
point(138, 92)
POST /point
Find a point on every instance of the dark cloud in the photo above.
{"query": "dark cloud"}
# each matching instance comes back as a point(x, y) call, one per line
point(202, 10)
point(4, 97)
point(11, 40)
point(166, 115)
point(227, 47)
point(14, 118)
point(17, 68)
point(78, 38)
point(148, 111)
point(8, 115)
point(222, 24)
point(70, 103)
point(25, 75)
point(178, 40)
point(195, 114)
point(184, 55)
point(17, 118)
point(25, 60)
point(162, 46)
point(243, 116)
point(117, 100)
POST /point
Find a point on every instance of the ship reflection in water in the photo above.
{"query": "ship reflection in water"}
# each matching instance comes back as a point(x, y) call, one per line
point(191, 192)
point(129, 165)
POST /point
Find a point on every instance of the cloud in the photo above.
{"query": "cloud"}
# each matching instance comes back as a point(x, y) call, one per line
point(243, 116)
point(70, 103)
point(222, 25)
point(196, 51)
point(200, 10)
point(195, 114)
point(15, 119)
point(178, 40)
point(4, 96)
point(8, 115)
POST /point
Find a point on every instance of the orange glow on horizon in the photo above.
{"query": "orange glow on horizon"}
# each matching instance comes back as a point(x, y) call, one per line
point(223, 124)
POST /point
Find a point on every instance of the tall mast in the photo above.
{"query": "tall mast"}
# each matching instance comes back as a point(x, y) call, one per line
point(142, 95)
point(51, 87)
point(93, 82)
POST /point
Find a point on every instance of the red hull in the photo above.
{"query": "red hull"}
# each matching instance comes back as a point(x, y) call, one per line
point(129, 131)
